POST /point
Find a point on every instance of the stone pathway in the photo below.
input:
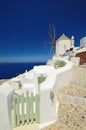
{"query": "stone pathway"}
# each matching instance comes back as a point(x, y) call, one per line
point(73, 90)
point(72, 116)
point(79, 74)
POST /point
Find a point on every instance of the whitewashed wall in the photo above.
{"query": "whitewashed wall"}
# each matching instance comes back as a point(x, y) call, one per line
point(48, 109)
point(83, 42)
point(55, 79)
point(60, 50)
point(6, 96)
point(75, 61)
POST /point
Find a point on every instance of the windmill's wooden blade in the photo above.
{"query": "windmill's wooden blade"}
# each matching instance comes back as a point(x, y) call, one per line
point(50, 35)
point(50, 32)
point(54, 34)
point(53, 30)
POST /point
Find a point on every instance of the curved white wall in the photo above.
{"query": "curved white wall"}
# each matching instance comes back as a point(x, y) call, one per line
point(56, 78)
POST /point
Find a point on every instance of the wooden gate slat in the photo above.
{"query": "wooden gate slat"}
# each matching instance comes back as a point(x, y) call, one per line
point(23, 107)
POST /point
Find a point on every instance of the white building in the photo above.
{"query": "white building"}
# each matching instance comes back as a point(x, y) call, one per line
point(83, 42)
point(64, 44)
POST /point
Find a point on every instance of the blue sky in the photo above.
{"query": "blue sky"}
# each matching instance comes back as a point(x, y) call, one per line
point(24, 27)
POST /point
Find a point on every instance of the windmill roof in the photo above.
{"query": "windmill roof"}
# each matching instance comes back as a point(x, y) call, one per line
point(63, 37)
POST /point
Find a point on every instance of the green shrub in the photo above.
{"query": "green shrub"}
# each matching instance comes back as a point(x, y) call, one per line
point(59, 64)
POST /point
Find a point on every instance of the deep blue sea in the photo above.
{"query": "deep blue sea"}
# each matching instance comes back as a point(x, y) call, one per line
point(9, 70)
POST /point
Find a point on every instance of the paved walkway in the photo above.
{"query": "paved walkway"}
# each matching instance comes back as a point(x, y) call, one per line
point(71, 116)
point(79, 74)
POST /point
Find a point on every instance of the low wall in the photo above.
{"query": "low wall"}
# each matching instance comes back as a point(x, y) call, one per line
point(48, 90)
point(63, 79)
point(55, 79)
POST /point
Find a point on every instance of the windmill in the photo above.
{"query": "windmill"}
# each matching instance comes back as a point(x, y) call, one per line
point(52, 35)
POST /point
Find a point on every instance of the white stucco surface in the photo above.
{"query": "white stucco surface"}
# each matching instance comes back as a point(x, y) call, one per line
point(75, 61)
point(62, 46)
point(55, 78)
point(6, 96)
point(83, 42)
